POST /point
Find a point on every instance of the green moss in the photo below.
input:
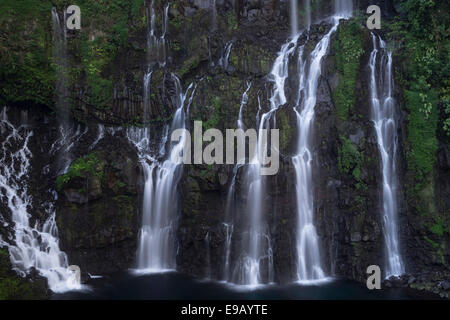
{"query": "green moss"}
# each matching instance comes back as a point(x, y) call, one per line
point(422, 139)
point(125, 206)
point(351, 162)
point(437, 229)
point(440, 226)
point(214, 114)
point(188, 65)
point(423, 44)
point(231, 20)
point(350, 159)
point(82, 167)
point(286, 131)
point(349, 50)
point(13, 286)
point(27, 69)
point(26, 73)
point(434, 244)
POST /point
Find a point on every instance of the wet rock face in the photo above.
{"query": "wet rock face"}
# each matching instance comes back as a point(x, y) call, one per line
point(98, 209)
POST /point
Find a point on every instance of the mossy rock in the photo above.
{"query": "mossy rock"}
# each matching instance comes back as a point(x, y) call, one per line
point(14, 287)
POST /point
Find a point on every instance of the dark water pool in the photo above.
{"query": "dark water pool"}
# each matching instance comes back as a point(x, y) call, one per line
point(175, 286)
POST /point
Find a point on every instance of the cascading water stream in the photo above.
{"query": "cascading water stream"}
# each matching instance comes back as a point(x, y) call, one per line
point(146, 95)
point(223, 62)
point(156, 51)
point(156, 46)
point(294, 17)
point(343, 8)
point(256, 243)
point(61, 63)
point(385, 122)
point(62, 94)
point(230, 204)
point(157, 244)
point(309, 266)
point(307, 6)
point(36, 246)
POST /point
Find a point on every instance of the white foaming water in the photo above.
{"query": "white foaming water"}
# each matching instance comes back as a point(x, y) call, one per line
point(244, 101)
point(294, 17)
point(385, 123)
point(63, 146)
point(157, 244)
point(309, 266)
point(31, 246)
point(146, 94)
point(256, 243)
point(223, 62)
point(229, 236)
point(100, 136)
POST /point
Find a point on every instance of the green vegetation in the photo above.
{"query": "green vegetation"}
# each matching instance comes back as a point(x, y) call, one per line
point(350, 159)
point(232, 22)
point(421, 135)
point(423, 29)
point(349, 48)
point(25, 67)
point(351, 162)
point(215, 114)
point(106, 26)
point(286, 131)
point(421, 33)
point(13, 286)
point(82, 167)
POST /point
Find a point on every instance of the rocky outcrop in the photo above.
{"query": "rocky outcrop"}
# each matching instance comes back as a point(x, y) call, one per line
point(98, 207)
point(13, 287)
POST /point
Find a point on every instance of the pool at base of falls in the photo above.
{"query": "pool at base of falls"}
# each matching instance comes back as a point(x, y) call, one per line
point(176, 286)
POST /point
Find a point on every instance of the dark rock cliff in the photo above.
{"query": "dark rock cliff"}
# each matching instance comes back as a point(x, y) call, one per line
point(99, 197)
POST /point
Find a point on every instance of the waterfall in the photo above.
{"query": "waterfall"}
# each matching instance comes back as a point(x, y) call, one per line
point(156, 51)
point(61, 63)
point(157, 243)
point(309, 266)
point(231, 203)
point(308, 13)
point(208, 256)
point(294, 17)
point(100, 136)
point(63, 146)
point(343, 8)
point(32, 246)
point(214, 15)
point(256, 248)
point(384, 117)
point(146, 94)
point(67, 135)
point(228, 237)
point(223, 62)
point(156, 46)
point(244, 101)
